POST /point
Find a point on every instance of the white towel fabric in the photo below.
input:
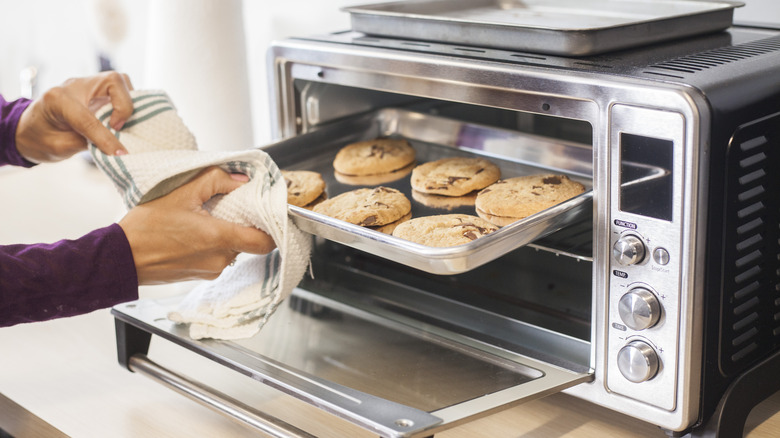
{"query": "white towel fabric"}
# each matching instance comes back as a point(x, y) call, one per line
point(162, 156)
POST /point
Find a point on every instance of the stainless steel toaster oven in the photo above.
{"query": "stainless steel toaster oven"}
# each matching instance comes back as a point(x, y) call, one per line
point(655, 293)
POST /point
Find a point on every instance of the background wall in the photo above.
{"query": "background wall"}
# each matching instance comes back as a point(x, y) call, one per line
point(64, 39)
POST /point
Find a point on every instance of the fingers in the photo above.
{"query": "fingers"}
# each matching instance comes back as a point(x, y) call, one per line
point(215, 181)
point(118, 90)
point(81, 97)
point(249, 240)
point(84, 122)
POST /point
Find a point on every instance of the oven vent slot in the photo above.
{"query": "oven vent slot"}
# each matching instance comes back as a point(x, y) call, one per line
point(751, 300)
point(679, 67)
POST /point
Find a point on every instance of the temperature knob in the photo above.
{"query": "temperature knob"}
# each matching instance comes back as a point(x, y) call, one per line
point(637, 361)
point(629, 250)
point(639, 309)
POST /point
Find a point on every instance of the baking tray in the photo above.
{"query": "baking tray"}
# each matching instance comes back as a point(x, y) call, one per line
point(558, 27)
point(436, 137)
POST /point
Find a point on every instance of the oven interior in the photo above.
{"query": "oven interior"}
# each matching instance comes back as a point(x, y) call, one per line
point(545, 286)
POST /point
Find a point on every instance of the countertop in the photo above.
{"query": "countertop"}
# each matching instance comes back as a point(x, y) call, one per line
point(61, 378)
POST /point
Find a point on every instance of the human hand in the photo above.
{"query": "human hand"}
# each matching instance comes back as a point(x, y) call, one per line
point(173, 238)
point(58, 124)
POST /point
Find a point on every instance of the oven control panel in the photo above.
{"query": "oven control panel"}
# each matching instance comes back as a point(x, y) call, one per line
point(646, 198)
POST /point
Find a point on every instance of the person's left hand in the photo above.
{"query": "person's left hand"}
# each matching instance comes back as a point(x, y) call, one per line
point(57, 125)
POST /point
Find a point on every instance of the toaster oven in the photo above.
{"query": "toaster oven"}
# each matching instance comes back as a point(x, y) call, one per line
point(654, 294)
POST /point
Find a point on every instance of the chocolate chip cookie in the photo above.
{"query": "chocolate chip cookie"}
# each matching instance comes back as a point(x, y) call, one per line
point(303, 186)
point(389, 228)
point(454, 176)
point(444, 202)
point(523, 196)
point(444, 230)
point(373, 157)
point(366, 207)
point(373, 180)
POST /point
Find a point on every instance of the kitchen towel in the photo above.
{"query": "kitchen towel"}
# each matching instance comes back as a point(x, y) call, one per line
point(163, 155)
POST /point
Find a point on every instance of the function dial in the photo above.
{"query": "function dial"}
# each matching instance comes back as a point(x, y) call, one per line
point(629, 250)
point(639, 309)
point(637, 361)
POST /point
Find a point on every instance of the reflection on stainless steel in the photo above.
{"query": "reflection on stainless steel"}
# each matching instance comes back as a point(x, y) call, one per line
point(212, 398)
point(567, 27)
point(379, 368)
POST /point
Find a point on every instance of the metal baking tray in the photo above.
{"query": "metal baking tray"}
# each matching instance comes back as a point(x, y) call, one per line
point(436, 137)
point(558, 27)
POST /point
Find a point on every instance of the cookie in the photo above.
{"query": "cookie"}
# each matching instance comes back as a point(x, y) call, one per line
point(389, 228)
point(303, 186)
point(445, 202)
point(454, 176)
point(373, 180)
point(444, 230)
point(314, 203)
point(499, 221)
point(378, 156)
point(524, 196)
point(366, 207)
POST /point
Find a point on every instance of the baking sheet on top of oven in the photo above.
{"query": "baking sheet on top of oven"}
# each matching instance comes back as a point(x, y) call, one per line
point(565, 27)
point(432, 138)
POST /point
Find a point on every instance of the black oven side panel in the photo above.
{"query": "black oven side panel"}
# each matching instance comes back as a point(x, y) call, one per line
point(742, 279)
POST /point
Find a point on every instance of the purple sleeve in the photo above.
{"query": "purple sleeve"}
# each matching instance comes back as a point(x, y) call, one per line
point(70, 277)
point(10, 112)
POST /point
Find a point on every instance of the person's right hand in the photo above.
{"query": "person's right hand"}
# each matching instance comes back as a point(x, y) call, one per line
point(173, 238)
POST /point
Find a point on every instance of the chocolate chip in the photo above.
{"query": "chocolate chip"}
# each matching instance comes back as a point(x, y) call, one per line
point(470, 235)
point(367, 222)
point(555, 180)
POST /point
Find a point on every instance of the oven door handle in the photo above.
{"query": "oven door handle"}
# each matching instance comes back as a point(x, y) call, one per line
point(214, 399)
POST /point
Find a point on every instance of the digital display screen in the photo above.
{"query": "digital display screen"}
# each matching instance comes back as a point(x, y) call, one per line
point(646, 177)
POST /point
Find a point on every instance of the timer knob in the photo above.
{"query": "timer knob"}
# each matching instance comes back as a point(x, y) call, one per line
point(637, 361)
point(629, 250)
point(639, 308)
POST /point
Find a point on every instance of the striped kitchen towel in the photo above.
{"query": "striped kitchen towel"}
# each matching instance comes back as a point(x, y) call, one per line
point(163, 155)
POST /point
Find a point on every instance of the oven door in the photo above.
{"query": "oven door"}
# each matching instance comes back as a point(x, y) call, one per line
point(356, 355)
point(378, 336)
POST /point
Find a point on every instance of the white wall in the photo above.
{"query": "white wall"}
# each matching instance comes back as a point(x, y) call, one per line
point(62, 38)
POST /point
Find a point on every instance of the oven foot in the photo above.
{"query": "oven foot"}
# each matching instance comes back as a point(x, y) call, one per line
point(130, 340)
point(744, 393)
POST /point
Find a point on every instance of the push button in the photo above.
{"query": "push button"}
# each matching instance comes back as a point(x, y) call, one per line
point(661, 256)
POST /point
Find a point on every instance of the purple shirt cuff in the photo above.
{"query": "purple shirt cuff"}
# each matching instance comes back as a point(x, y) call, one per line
point(70, 277)
point(10, 112)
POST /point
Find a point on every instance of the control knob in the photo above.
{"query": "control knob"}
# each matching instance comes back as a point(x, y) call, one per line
point(637, 361)
point(639, 309)
point(629, 250)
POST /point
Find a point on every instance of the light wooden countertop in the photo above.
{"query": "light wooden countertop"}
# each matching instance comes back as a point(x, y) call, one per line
point(62, 377)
